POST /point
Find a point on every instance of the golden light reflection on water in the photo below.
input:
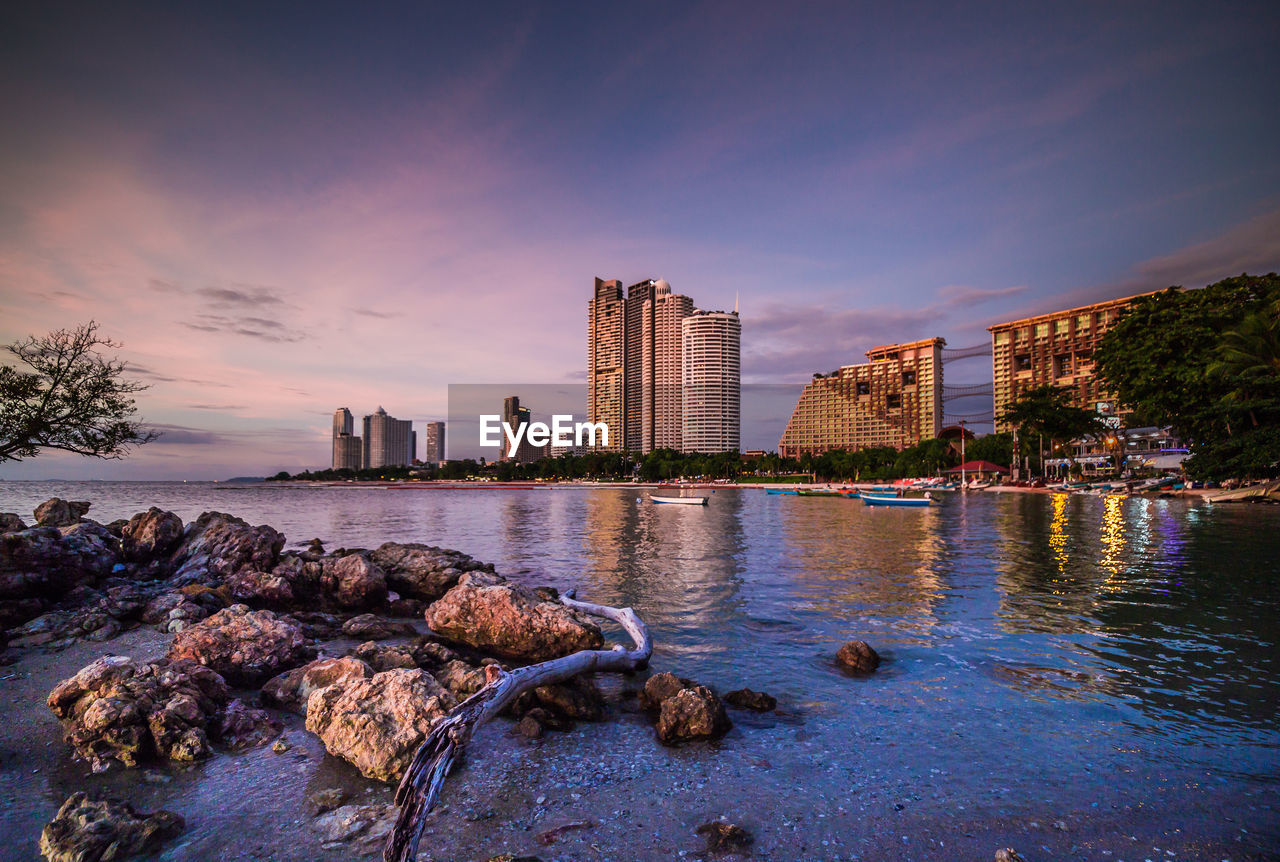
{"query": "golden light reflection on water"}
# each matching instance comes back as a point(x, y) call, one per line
point(1058, 532)
point(1113, 538)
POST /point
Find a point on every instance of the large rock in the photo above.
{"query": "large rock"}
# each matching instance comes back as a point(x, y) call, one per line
point(45, 562)
point(377, 724)
point(216, 545)
point(11, 523)
point(353, 581)
point(371, 627)
point(291, 690)
point(85, 830)
point(260, 589)
point(151, 534)
point(692, 713)
point(756, 701)
point(858, 657)
point(511, 621)
point(57, 512)
point(246, 647)
point(241, 726)
point(661, 686)
point(421, 571)
point(118, 709)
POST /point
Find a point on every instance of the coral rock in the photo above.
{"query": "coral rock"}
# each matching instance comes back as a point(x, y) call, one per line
point(151, 534)
point(858, 656)
point(57, 512)
point(246, 647)
point(84, 830)
point(693, 713)
point(290, 690)
point(353, 581)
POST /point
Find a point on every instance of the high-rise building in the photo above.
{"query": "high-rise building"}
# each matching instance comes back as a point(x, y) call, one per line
point(606, 361)
point(435, 453)
point(895, 400)
point(1056, 349)
point(346, 448)
point(388, 442)
point(516, 417)
point(634, 346)
point(712, 382)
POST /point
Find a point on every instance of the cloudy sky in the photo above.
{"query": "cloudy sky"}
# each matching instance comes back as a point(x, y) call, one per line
point(283, 208)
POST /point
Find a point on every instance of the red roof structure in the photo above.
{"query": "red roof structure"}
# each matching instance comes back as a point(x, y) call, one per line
point(978, 467)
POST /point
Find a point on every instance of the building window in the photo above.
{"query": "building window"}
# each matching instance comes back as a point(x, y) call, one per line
point(1022, 362)
point(1002, 338)
point(1062, 365)
point(1042, 330)
point(1082, 322)
point(908, 378)
point(893, 402)
point(864, 388)
point(1061, 326)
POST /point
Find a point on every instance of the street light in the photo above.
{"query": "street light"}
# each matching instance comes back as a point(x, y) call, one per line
point(963, 481)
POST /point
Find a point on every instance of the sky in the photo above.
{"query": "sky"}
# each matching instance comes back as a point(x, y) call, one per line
point(280, 209)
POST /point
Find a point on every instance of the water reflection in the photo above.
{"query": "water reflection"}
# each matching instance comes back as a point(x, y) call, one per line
point(1113, 534)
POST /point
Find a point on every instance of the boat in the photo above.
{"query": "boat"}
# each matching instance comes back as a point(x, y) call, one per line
point(886, 500)
point(786, 491)
point(824, 492)
point(688, 501)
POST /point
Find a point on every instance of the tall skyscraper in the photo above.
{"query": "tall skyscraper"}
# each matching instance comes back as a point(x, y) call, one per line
point(895, 400)
point(606, 353)
point(435, 443)
point(346, 447)
point(712, 382)
point(388, 442)
point(634, 346)
point(516, 417)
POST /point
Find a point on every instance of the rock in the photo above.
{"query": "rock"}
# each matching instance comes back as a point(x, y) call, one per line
point(150, 535)
point(745, 698)
point(401, 607)
point(242, 727)
point(56, 512)
point(216, 545)
point(353, 581)
point(511, 857)
point(858, 656)
point(421, 571)
point(1008, 854)
point(661, 686)
point(57, 629)
point(693, 713)
point(511, 621)
point(382, 658)
point(327, 799)
point(529, 726)
point(318, 625)
point(290, 690)
point(11, 523)
point(367, 825)
point(369, 627)
point(724, 837)
point(85, 830)
point(460, 678)
point(377, 724)
point(246, 647)
point(117, 709)
point(43, 562)
point(280, 746)
point(315, 546)
point(172, 612)
point(577, 700)
point(260, 589)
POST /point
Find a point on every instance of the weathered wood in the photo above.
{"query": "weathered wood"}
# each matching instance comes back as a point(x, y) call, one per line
point(423, 780)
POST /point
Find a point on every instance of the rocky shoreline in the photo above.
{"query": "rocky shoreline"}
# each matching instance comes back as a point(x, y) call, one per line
point(365, 647)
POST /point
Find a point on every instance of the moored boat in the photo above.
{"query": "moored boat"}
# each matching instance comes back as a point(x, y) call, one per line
point(887, 500)
point(688, 501)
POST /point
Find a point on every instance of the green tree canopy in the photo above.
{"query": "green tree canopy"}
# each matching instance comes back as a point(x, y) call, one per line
point(73, 398)
point(1047, 411)
point(1204, 362)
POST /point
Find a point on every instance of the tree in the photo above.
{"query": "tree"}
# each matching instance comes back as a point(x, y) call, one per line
point(1197, 360)
point(1047, 412)
point(73, 398)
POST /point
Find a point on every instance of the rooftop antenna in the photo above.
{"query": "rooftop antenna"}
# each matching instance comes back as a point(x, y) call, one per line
point(735, 302)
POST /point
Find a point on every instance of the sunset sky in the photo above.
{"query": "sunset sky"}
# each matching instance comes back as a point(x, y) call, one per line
point(280, 209)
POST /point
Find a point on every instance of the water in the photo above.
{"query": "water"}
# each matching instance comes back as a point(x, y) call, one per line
point(1043, 655)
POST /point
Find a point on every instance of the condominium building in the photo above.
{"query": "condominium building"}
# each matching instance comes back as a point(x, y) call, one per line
point(606, 352)
point(435, 453)
point(1055, 349)
point(711, 401)
point(388, 442)
point(346, 447)
point(516, 417)
point(661, 368)
point(894, 399)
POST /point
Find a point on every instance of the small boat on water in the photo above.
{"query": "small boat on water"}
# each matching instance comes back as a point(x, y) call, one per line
point(785, 491)
point(817, 492)
point(890, 500)
point(688, 501)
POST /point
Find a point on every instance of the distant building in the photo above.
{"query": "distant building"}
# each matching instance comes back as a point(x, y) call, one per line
point(661, 368)
point(895, 400)
point(435, 453)
point(388, 442)
point(712, 382)
point(516, 417)
point(346, 448)
point(1057, 349)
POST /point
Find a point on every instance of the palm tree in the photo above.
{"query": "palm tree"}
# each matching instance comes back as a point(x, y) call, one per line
point(1249, 357)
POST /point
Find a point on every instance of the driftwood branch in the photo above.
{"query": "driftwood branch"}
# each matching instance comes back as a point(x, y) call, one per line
point(420, 787)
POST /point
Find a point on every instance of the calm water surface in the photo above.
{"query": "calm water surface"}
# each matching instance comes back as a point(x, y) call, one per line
point(1092, 643)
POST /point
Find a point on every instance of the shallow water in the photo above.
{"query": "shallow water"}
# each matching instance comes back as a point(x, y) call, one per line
point(1111, 662)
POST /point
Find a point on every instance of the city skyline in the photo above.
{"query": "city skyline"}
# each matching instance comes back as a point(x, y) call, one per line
point(237, 205)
